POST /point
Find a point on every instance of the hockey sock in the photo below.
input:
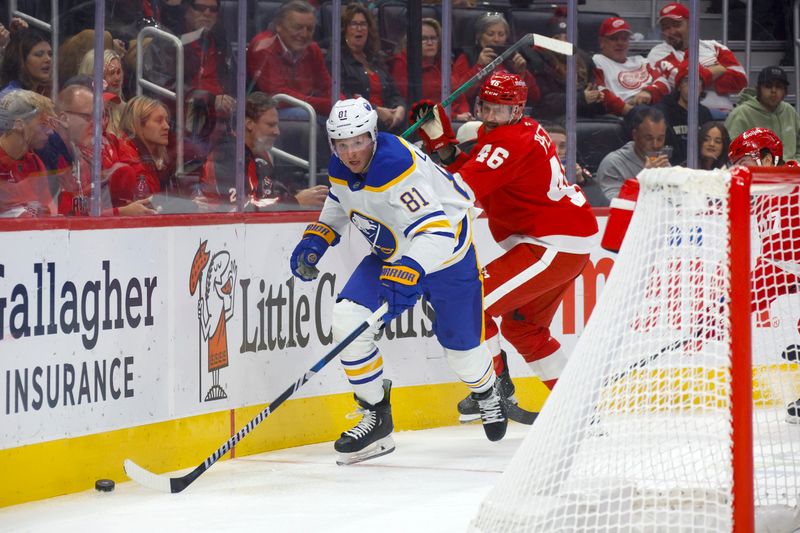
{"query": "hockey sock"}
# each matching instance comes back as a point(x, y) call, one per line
point(474, 367)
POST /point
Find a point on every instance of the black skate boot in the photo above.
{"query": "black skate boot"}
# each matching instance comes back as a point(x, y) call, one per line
point(793, 412)
point(493, 413)
point(468, 410)
point(372, 436)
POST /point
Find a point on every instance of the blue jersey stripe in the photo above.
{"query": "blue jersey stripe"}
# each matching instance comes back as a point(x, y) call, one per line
point(420, 220)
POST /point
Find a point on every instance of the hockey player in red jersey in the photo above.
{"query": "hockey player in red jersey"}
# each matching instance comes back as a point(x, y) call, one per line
point(545, 224)
point(777, 216)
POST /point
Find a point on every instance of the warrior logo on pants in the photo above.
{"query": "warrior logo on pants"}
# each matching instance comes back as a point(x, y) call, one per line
point(214, 310)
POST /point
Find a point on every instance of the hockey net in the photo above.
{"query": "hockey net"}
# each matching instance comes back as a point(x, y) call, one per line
point(639, 433)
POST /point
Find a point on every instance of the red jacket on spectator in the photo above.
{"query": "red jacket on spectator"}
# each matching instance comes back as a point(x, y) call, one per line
point(464, 69)
point(273, 70)
point(431, 83)
point(135, 175)
point(24, 189)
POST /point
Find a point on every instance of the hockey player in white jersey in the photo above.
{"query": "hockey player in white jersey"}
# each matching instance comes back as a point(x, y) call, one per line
point(417, 220)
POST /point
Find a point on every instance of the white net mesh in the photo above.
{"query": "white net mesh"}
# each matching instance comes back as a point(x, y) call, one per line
point(637, 434)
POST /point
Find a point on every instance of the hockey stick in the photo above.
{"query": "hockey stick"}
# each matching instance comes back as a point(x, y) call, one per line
point(541, 41)
point(644, 361)
point(520, 415)
point(177, 484)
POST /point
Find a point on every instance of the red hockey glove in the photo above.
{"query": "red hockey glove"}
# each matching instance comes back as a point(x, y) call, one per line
point(436, 132)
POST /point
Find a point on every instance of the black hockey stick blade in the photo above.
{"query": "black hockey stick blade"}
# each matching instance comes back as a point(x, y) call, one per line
point(520, 415)
point(176, 484)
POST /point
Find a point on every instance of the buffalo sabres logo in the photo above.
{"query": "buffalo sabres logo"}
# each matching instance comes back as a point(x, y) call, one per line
point(380, 237)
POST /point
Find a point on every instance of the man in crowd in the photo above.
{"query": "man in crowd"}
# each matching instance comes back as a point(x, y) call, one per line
point(262, 189)
point(69, 153)
point(288, 61)
point(765, 107)
point(646, 150)
point(727, 75)
point(625, 80)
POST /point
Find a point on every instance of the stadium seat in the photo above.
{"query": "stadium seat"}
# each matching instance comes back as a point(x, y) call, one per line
point(294, 140)
point(588, 26)
point(264, 11)
point(392, 21)
point(596, 138)
point(525, 21)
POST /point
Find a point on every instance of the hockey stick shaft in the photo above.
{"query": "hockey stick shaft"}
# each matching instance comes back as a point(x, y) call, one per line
point(177, 484)
point(528, 39)
point(644, 361)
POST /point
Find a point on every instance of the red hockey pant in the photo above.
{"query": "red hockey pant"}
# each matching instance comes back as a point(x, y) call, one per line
point(525, 286)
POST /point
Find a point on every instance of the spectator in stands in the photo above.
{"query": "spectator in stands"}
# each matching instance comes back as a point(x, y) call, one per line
point(675, 107)
point(491, 39)
point(364, 70)
point(113, 78)
point(27, 63)
point(765, 107)
point(431, 70)
point(263, 189)
point(713, 141)
point(69, 154)
point(626, 81)
point(286, 60)
point(25, 119)
point(143, 161)
point(550, 69)
point(646, 150)
point(727, 75)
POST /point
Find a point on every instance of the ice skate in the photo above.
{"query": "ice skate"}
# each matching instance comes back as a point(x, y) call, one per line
point(493, 413)
point(372, 436)
point(793, 412)
point(468, 410)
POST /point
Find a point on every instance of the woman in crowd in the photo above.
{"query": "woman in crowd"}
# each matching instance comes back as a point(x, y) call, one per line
point(24, 127)
point(364, 71)
point(113, 77)
point(27, 63)
point(431, 70)
point(714, 141)
point(143, 162)
point(492, 34)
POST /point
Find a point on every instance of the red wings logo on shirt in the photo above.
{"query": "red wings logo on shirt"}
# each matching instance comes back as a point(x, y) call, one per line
point(633, 79)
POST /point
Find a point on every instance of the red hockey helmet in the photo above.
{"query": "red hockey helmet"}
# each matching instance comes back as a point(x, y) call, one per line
point(504, 88)
point(753, 142)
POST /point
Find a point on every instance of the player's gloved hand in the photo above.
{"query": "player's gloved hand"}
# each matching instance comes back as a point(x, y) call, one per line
point(436, 132)
point(400, 286)
point(316, 239)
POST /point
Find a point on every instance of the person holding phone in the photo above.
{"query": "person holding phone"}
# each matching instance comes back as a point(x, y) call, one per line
point(492, 34)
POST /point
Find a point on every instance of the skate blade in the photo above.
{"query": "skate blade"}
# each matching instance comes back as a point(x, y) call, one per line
point(378, 448)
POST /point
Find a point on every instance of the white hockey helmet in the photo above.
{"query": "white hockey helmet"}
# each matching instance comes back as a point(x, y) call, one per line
point(350, 118)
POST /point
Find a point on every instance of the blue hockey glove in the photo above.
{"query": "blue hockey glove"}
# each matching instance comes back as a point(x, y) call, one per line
point(316, 239)
point(400, 286)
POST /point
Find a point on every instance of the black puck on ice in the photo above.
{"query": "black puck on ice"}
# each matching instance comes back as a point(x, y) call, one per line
point(104, 485)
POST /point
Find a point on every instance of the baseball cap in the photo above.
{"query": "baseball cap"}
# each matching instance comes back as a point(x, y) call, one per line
point(675, 11)
point(771, 74)
point(613, 25)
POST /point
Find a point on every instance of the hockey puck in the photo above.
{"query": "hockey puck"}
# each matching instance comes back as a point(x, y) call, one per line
point(104, 485)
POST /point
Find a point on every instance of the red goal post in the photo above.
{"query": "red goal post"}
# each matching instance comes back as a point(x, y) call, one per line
point(672, 412)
